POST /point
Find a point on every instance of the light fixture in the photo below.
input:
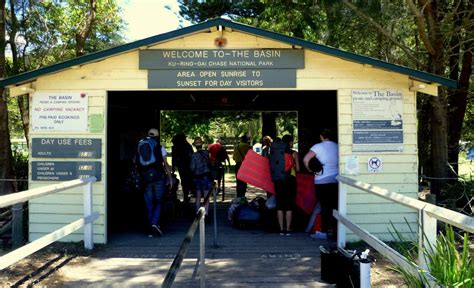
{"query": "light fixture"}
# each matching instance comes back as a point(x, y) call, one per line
point(220, 41)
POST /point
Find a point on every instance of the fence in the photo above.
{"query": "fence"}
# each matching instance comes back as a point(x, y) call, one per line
point(44, 241)
point(428, 216)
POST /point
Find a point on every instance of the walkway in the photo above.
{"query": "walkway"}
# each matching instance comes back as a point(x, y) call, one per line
point(243, 257)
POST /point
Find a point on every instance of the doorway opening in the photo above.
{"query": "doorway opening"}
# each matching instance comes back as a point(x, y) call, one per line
point(132, 113)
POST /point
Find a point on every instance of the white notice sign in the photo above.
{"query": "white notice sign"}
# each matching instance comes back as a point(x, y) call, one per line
point(377, 120)
point(352, 165)
point(59, 112)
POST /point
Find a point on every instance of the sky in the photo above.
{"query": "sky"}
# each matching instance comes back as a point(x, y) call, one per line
point(147, 18)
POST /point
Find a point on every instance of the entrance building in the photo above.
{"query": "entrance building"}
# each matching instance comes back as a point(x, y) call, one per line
point(87, 113)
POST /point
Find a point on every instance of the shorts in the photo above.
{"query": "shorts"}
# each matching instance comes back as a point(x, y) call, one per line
point(285, 193)
point(202, 183)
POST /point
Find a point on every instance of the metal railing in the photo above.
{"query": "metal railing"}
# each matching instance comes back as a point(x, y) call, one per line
point(183, 249)
point(428, 216)
point(44, 241)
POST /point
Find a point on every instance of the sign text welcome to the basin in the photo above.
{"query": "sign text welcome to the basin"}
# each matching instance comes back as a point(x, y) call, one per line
point(222, 68)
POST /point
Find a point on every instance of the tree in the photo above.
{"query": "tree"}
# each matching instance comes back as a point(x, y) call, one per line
point(430, 35)
point(46, 32)
point(6, 162)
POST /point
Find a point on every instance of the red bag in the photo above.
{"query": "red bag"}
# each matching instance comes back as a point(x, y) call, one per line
point(305, 198)
point(289, 162)
point(255, 170)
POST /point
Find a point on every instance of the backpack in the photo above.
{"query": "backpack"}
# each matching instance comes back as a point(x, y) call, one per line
point(146, 148)
point(316, 166)
point(221, 155)
point(277, 161)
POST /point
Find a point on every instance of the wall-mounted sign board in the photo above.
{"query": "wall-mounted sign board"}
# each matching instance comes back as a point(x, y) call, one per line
point(222, 68)
point(187, 59)
point(377, 120)
point(66, 148)
point(239, 78)
point(64, 170)
point(59, 111)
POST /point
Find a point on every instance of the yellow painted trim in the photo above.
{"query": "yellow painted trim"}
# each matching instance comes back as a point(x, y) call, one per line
point(417, 86)
point(22, 89)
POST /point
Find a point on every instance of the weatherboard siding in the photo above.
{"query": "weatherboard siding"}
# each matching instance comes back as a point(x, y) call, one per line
point(322, 72)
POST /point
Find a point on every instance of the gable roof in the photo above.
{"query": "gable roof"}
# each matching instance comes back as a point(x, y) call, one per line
point(415, 74)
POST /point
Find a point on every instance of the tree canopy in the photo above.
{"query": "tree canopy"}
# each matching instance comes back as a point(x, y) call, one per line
point(434, 36)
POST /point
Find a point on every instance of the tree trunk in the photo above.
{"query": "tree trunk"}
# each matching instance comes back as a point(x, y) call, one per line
point(439, 141)
point(458, 98)
point(457, 105)
point(269, 124)
point(6, 161)
point(23, 101)
point(83, 34)
point(433, 42)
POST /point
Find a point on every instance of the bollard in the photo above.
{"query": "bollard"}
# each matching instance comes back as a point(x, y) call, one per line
point(364, 263)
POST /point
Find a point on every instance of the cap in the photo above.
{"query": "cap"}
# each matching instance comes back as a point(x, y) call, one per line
point(153, 132)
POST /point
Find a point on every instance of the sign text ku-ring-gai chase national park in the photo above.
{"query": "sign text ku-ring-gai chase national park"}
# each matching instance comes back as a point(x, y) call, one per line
point(222, 68)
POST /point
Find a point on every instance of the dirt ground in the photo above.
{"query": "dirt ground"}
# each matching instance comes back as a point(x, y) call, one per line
point(41, 269)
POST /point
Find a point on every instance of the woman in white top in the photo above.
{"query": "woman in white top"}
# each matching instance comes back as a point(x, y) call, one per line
point(326, 185)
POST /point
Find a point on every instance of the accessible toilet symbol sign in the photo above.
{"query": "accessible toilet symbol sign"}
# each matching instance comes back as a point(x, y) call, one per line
point(374, 164)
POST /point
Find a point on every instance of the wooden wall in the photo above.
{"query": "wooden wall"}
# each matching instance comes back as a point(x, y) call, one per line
point(322, 72)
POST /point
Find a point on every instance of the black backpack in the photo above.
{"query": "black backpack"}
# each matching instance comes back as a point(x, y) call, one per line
point(277, 161)
point(221, 155)
point(316, 166)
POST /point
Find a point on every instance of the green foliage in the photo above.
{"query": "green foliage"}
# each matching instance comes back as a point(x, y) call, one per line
point(20, 164)
point(47, 29)
point(468, 124)
point(449, 263)
point(458, 196)
point(14, 118)
point(449, 266)
point(226, 124)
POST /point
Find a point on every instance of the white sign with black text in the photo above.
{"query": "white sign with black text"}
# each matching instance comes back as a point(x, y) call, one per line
point(59, 112)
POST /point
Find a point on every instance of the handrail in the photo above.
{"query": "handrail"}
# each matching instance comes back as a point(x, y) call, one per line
point(14, 198)
point(448, 216)
point(428, 215)
point(86, 221)
point(183, 249)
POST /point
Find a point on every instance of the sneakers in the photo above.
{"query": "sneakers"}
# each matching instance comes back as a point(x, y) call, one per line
point(156, 230)
point(319, 235)
point(282, 233)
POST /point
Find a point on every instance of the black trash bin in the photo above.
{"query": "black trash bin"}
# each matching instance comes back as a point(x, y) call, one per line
point(340, 267)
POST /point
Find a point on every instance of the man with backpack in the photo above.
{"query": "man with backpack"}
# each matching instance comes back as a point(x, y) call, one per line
point(152, 163)
point(201, 168)
point(218, 157)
